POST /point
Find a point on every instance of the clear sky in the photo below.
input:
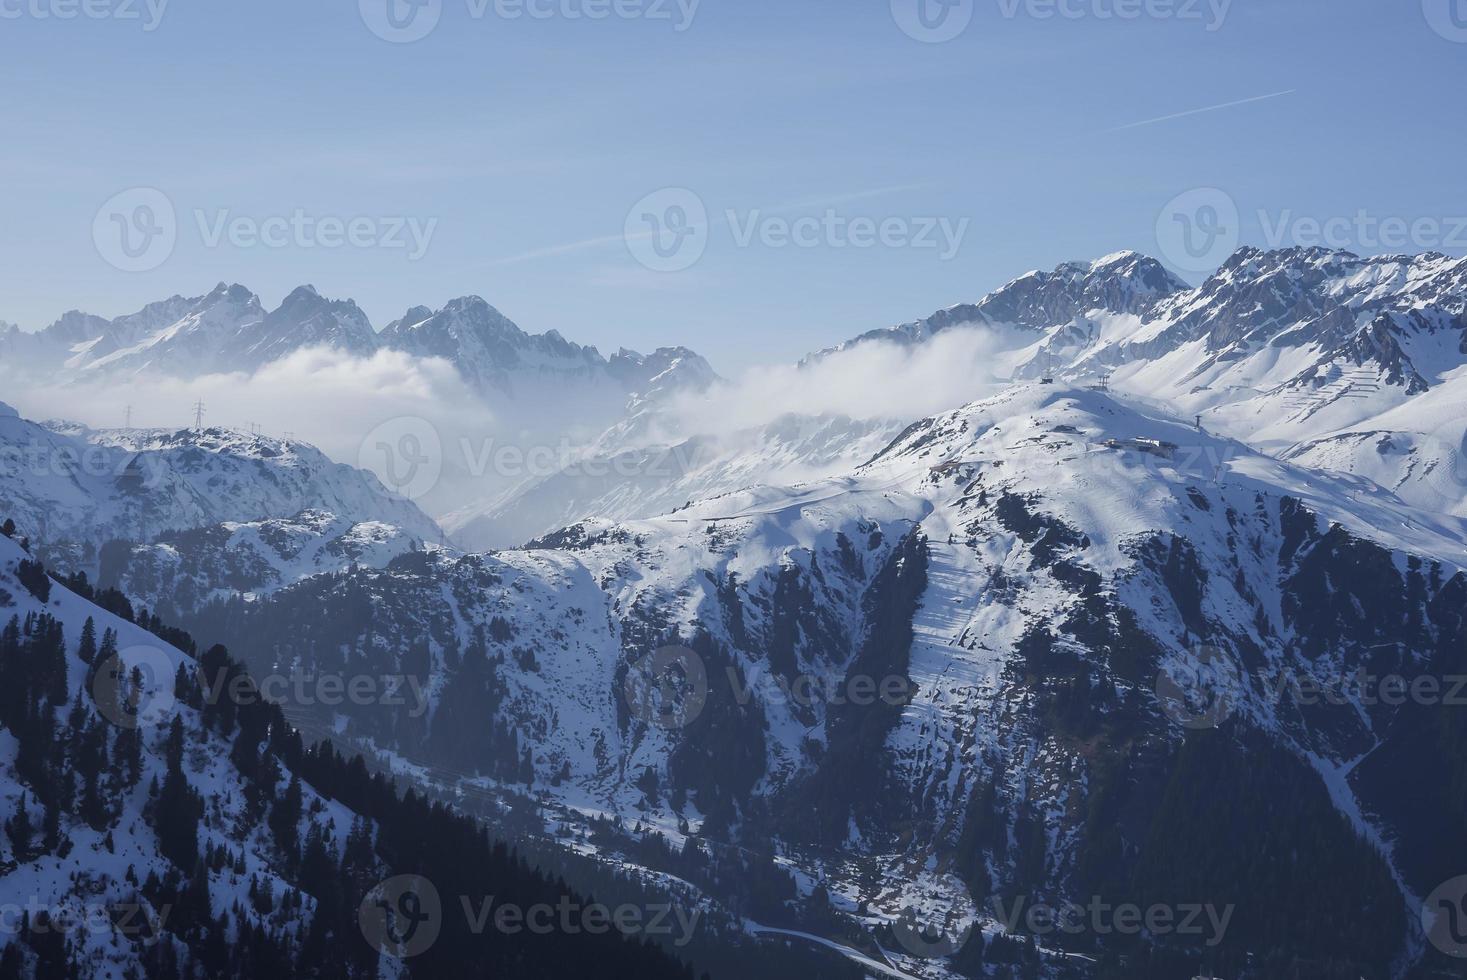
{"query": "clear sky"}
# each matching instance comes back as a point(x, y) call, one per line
point(1045, 130)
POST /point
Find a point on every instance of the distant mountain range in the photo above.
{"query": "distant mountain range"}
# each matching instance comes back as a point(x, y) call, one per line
point(228, 330)
point(1355, 364)
point(1352, 363)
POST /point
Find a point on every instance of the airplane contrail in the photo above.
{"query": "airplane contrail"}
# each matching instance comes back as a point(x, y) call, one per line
point(1196, 112)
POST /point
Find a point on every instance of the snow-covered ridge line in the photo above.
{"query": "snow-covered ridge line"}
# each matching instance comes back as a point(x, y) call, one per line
point(282, 501)
point(229, 330)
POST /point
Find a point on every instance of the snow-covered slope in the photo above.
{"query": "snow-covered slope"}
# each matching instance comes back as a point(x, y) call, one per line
point(183, 569)
point(1022, 572)
point(1302, 340)
point(162, 820)
point(1417, 449)
point(636, 470)
point(1322, 357)
point(651, 478)
point(106, 868)
point(173, 337)
point(79, 489)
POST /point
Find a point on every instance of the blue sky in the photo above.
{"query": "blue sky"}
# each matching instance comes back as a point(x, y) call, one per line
point(524, 144)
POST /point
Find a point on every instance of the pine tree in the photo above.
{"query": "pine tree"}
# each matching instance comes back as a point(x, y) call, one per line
point(48, 940)
point(19, 829)
point(197, 903)
point(48, 649)
point(12, 964)
point(527, 768)
point(93, 810)
point(76, 721)
point(285, 818)
point(32, 575)
point(319, 874)
point(108, 649)
point(12, 676)
point(173, 747)
point(178, 808)
point(88, 649)
point(128, 754)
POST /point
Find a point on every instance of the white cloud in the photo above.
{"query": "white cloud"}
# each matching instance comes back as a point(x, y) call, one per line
point(321, 396)
point(873, 380)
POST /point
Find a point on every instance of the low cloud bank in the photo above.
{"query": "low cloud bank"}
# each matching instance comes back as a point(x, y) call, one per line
point(321, 396)
point(873, 380)
point(338, 402)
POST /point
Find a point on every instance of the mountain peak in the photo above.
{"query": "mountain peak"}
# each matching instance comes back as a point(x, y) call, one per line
point(231, 290)
point(302, 292)
point(1140, 266)
point(1122, 257)
point(414, 316)
point(472, 302)
point(304, 300)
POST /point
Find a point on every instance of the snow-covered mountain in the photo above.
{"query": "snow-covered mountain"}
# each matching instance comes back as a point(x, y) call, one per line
point(1260, 480)
point(650, 477)
point(153, 828)
point(229, 331)
point(1324, 357)
point(1123, 319)
point(304, 319)
point(176, 336)
point(536, 390)
point(1299, 327)
point(547, 383)
point(488, 349)
point(79, 489)
point(1126, 283)
point(1020, 575)
point(181, 570)
point(12, 338)
point(649, 462)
